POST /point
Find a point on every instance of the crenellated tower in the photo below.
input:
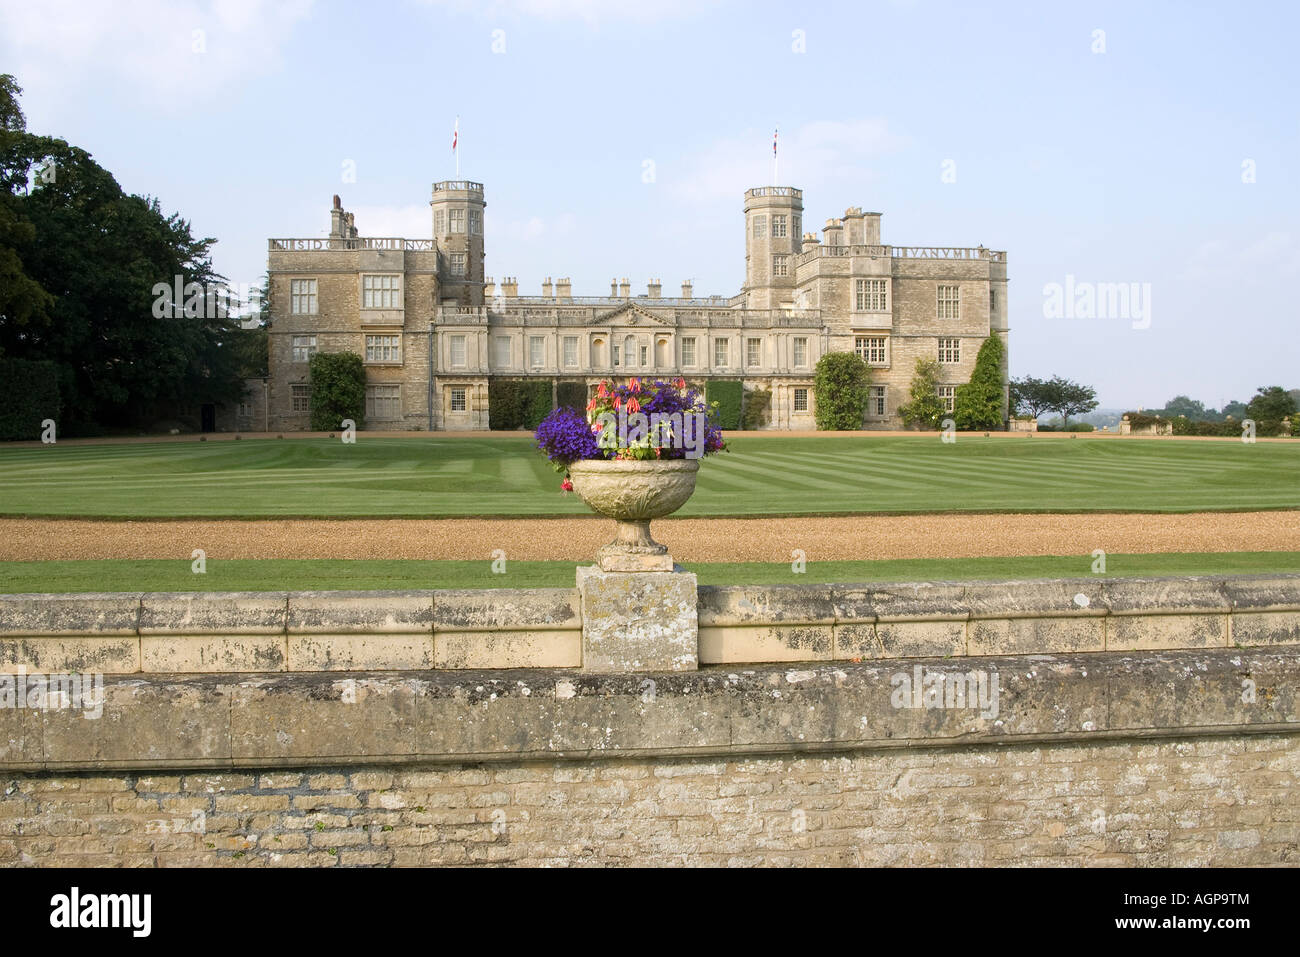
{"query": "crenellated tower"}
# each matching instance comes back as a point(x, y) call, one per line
point(773, 238)
point(458, 230)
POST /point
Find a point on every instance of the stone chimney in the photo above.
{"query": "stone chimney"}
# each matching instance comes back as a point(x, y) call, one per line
point(546, 287)
point(810, 239)
point(613, 289)
point(337, 222)
point(624, 288)
point(489, 288)
point(654, 288)
point(871, 229)
point(563, 289)
point(688, 290)
point(510, 287)
point(833, 233)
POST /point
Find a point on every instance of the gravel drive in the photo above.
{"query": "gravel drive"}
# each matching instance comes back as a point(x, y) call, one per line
point(696, 540)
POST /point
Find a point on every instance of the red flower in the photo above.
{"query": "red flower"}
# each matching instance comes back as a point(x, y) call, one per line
point(680, 383)
point(618, 403)
point(633, 405)
point(566, 486)
point(634, 384)
point(591, 405)
point(602, 390)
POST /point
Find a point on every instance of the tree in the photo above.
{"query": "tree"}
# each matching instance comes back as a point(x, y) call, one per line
point(1031, 396)
point(840, 391)
point(1185, 406)
point(978, 403)
point(926, 408)
point(1270, 405)
point(1075, 399)
point(95, 259)
point(338, 390)
point(1235, 409)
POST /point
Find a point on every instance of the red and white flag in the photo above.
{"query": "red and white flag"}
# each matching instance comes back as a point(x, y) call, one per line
point(455, 134)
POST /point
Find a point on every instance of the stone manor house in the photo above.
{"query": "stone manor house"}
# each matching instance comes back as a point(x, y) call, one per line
point(433, 330)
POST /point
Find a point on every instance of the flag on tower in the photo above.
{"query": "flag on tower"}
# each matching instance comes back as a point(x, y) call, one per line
point(455, 134)
point(774, 135)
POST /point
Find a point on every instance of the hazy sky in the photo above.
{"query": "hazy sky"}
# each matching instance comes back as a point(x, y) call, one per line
point(1122, 166)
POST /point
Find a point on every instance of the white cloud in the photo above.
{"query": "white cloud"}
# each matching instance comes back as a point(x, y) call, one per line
point(173, 51)
point(811, 154)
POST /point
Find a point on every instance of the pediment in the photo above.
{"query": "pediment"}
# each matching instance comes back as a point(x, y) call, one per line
point(630, 314)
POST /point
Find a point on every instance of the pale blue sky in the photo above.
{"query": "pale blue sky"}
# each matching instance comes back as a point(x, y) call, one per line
point(1116, 166)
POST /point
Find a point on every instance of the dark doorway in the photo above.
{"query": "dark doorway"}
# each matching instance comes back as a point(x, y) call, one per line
point(208, 418)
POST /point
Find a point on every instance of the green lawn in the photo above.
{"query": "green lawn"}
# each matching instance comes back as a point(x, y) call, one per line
point(506, 476)
point(302, 575)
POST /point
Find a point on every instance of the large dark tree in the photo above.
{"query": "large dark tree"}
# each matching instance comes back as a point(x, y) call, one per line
point(1031, 396)
point(979, 403)
point(97, 254)
point(1270, 405)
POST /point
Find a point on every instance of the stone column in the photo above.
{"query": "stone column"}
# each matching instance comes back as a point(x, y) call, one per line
point(639, 621)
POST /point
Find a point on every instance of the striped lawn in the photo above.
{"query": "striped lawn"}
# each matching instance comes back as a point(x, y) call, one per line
point(777, 475)
point(308, 575)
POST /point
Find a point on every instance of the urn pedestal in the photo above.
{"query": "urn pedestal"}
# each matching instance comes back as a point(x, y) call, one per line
point(639, 609)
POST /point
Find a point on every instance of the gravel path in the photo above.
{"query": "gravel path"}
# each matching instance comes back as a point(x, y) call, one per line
point(699, 540)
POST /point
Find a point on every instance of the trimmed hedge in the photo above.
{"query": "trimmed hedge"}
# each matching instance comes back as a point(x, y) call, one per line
point(758, 403)
point(840, 391)
point(572, 394)
point(730, 396)
point(518, 403)
point(29, 394)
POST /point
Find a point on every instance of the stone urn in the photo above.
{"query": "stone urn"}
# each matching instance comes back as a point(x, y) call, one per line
point(632, 492)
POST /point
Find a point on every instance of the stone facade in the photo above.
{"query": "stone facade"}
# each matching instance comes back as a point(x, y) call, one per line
point(433, 329)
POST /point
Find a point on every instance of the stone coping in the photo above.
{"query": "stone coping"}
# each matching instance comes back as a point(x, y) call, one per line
point(278, 720)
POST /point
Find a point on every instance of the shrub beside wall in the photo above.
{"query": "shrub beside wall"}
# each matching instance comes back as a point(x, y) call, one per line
point(518, 403)
point(729, 394)
point(758, 403)
point(29, 394)
point(338, 390)
point(572, 394)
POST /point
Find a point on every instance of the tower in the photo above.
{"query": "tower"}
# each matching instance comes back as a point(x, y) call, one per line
point(773, 238)
point(458, 230)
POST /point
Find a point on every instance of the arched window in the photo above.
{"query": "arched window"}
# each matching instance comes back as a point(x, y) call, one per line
point(598, 354)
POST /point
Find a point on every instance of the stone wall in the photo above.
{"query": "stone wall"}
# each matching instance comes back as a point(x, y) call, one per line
point(1087, 722)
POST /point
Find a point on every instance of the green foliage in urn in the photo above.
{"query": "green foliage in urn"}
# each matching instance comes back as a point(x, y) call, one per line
point(840, 391)
point(338, 390)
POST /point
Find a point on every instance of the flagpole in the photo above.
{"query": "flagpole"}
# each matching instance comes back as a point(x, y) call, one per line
point(455, 146)
point(775, 178)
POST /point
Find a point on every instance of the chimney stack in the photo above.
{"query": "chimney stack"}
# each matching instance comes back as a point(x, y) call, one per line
point(510, 287)
point(687, 289)
point(871, 229)
point(546, 287)
point(613, 289)
point(563, 289)
point(624, 288)
point(654, 288)
point(489, 288)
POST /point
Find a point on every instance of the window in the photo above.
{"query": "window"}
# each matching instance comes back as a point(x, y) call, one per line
point(439, 222)
point(871, 295)
point(688, 350)
point(876, 400)
point(570, 352)
point(383, 401)
point(501, 352)
point(645, 356)
point(760, 227)
point(801, 400)
point(300, 398)
point(302, 297)
point(629, 352)
point(303, 347)
point(780, 265)
point(795, 226)
point(245, 410)
point(800, 352)
point(536, 351)
point(475, 222)
point(950, 350)
point(381, 292)
point(872, 349)
point(753, 352)
point(948, 302)
point(778, 226)
point(383, 349)
point(458, 352)
point(948, 394)
point(456, 219)
point(993, 301)
point(458, 400)
point(720, 353)
point(458, 264)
